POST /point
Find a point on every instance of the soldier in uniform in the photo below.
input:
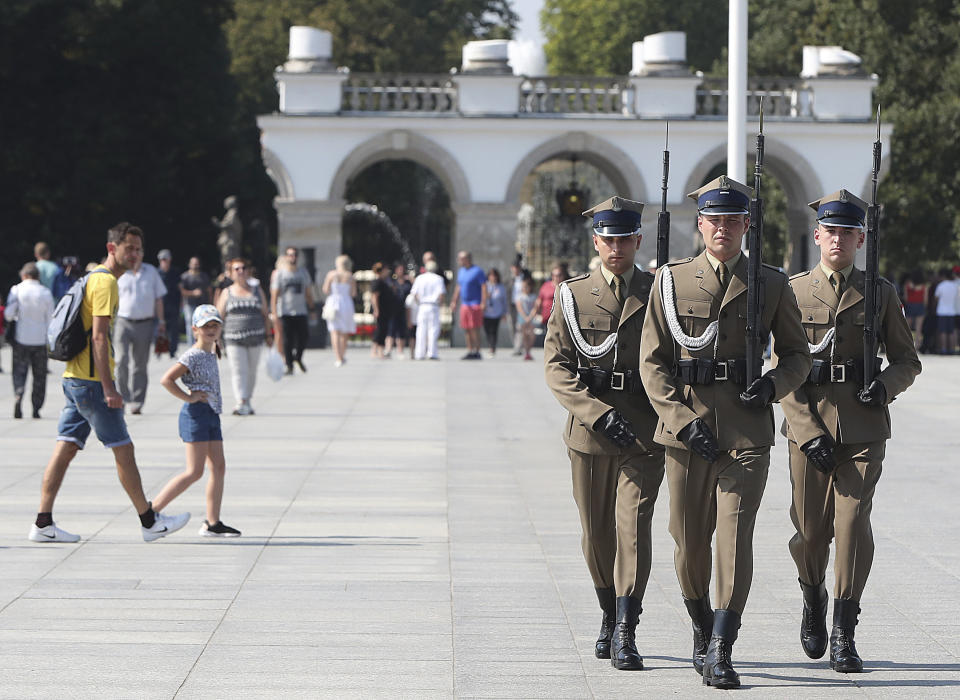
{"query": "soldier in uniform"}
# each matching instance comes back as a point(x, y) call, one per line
point(717, 431)
point(591, 356)
point(838, 430)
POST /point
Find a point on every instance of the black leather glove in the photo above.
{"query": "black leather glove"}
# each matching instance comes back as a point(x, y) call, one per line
point(615, 428)
point(873, 395)
point(759, 394)
point(820, 453)
point(698, 437)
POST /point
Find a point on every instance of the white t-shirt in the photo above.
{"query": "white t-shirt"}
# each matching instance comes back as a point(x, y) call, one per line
point(946, 294)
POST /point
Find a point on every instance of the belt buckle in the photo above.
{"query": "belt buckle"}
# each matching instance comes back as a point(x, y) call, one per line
point(838, 373)
point(618, 381)
point(721, 372)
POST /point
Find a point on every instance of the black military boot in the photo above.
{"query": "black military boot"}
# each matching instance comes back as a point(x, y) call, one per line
point(623, 648)
point(813, 624)
point(718, 663)
point(701, 616)
point(608, 603)
point(843, 652)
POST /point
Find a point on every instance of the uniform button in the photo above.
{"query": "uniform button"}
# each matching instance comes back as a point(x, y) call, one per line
point(591, 324)
point(689, 309)
point(809, 318)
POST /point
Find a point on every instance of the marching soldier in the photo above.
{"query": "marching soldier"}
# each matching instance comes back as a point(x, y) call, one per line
point(591, 355)
point(837, 430)
point(717, 431)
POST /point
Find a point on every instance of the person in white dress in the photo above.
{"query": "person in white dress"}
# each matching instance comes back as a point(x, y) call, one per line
point(340, 289)
point(428, 290)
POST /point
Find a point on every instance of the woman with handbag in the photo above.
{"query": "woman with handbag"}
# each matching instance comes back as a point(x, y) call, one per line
point(340, 289)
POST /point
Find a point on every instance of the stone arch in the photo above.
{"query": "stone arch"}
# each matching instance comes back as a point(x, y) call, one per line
point(614, 163)
point(277, 172)
point(400, 144)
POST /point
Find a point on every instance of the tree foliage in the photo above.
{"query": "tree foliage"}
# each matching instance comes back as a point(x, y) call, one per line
point(113, 110)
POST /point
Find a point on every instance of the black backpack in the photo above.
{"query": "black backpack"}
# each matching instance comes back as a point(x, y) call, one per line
point(66, 337)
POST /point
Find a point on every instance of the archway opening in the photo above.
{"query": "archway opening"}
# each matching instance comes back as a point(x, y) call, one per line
point(413, 214)
point(550, 228)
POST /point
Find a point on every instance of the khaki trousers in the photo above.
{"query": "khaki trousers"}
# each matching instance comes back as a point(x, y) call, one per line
point(723, 496)
point(837, 505)
point(615, 495)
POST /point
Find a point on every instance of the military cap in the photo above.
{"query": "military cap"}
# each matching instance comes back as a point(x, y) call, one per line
point(840, 209)
point(723, 196)
point(616, 217)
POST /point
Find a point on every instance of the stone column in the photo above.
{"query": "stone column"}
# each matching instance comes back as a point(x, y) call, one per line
point(489, 232)
point(802, 252)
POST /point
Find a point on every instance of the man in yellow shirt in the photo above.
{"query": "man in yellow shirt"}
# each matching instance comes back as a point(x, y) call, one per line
point(92, 400)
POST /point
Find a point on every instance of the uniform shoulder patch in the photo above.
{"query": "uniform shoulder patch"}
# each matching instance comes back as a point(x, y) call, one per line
point(578, 278)
point(679, 262)
point(800, 274)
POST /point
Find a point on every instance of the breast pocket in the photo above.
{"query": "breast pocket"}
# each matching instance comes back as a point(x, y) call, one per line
point(816, 322)
point(694, 315)
point(595, 327)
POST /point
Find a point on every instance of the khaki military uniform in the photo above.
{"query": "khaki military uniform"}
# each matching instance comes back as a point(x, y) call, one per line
point(723, 496)
point(615, 488)
point(839, 504)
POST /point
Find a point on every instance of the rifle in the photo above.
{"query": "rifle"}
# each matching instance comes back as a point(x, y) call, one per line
point(872, 268)
point(663, 219)
point(754, 346)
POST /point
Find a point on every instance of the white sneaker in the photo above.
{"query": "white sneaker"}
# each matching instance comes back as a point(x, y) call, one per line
point(164, 525)
point(51, 533)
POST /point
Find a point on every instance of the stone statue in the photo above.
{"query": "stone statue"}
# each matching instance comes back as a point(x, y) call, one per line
point(230, 240)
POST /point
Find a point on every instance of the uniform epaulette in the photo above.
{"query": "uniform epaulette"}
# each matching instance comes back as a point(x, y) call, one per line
point(583, 276)
point(679, 262)
point(800, 274)
point(775, 268)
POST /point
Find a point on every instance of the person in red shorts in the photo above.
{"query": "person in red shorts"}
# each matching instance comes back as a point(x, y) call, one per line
point(471, 293)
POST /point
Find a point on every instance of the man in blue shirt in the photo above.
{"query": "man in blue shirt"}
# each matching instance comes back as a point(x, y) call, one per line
point(471, 292)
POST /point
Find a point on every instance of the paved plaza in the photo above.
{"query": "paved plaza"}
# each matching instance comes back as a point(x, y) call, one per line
point(409, 532)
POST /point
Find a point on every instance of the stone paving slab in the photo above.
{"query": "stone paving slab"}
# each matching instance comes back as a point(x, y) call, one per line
point(409, 532)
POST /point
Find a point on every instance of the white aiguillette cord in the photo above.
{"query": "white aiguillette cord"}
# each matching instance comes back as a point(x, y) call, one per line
point(673, 323)
point(570, 316)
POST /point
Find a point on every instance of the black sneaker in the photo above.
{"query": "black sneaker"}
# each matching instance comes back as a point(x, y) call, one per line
point(218, 529)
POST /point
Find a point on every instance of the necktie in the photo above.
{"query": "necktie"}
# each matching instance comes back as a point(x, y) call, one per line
point(836, 279)
point(723, 274)
point(618, 285)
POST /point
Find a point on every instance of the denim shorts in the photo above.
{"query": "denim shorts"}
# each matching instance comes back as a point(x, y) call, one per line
point(87, 408)
point(199, 423)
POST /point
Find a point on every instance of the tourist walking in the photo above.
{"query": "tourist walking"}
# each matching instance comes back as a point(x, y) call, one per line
point(139, 318)
point(200, 419)
point(93, 402)
point(915, 292)
point(340, 289)
point(195, 290)
point(30, 306)
point(947, 294)
point(172, 300)
point(495, 308)
point(838, 430)
point(243, 309)
point(47, 268)
point(471, 294)
point(526, 305)
point(291, 304)
point(383, 299)
point(428, 291)
point(400, 322)
point(517, 275)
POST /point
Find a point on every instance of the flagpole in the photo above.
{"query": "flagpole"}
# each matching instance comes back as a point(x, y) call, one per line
point(737, 92)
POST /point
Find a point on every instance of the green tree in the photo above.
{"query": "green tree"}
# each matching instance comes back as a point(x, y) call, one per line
point(595, 36)
point(114, 110)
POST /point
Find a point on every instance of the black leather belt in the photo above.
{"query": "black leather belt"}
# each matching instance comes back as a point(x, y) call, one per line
point(825, 372)
point(703, 370)
point(137, 320)
point(599, 380)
